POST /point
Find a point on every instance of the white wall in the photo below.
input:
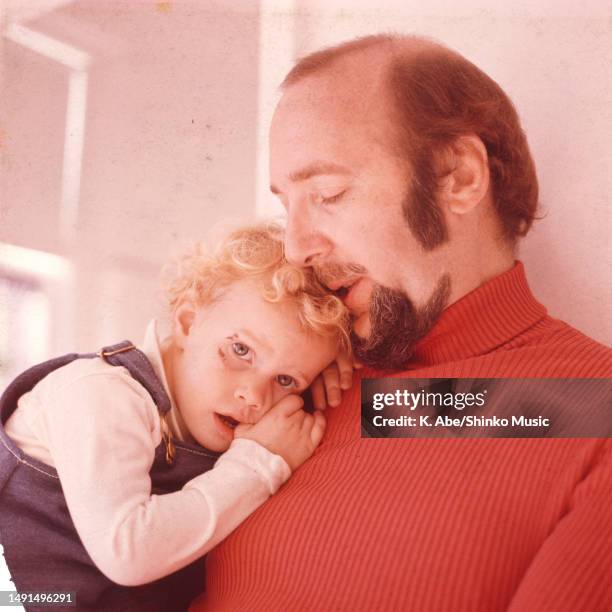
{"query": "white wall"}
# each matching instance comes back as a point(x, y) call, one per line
point(169, 147)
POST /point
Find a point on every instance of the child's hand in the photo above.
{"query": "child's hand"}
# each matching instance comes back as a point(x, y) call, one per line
point(326, 387)
point(287, 430)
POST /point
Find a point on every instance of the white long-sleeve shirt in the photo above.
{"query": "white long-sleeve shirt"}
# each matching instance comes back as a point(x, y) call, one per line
point(99, 428)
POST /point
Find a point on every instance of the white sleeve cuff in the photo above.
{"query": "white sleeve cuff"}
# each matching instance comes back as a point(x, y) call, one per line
point(271, 469)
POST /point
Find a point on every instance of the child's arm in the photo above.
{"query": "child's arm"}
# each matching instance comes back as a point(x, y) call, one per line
point(103, 446)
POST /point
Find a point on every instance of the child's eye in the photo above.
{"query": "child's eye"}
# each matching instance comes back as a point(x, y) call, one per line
point(285, 380)
point(242, 350)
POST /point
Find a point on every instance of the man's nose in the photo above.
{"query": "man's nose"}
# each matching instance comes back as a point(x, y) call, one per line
point(305, 244)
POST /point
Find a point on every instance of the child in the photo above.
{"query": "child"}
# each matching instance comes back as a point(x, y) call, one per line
point(107, 484)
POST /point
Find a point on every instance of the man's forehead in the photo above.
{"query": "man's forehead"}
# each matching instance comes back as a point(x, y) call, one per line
point(340, 114)
point(326, 113)
point(343, 89)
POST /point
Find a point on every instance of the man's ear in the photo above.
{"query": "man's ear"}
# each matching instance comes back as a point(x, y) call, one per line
point(182, 323)
point(466, 178)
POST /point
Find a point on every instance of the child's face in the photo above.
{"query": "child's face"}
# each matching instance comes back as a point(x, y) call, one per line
point(234, 359)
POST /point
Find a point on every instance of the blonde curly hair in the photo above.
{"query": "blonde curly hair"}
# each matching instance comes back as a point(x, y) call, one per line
point(256, 252)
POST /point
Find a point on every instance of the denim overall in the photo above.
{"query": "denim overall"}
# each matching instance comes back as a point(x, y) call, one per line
point(42, 548)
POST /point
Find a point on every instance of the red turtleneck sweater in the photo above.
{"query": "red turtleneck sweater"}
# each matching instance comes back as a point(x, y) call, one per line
point(440, 524)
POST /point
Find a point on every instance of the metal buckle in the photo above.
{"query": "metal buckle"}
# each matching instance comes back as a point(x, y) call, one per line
point(104, 354)
point(167, 437)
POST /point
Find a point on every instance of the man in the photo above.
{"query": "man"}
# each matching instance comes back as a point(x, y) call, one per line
point(407, 181)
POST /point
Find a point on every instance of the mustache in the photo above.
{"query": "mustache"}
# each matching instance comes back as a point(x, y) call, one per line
point(330, 272)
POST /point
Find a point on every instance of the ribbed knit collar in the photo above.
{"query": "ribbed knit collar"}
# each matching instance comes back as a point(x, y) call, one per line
point(491, 315)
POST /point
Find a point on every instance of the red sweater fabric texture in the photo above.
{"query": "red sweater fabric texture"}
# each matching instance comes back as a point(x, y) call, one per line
point(440, 524)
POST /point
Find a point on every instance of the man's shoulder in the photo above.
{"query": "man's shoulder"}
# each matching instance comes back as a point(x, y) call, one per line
point(570, 350)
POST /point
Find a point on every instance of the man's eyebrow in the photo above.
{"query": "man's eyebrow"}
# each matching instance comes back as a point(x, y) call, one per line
point(314, 169)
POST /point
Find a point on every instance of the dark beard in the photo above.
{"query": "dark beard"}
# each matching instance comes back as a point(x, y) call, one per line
point(396, 326)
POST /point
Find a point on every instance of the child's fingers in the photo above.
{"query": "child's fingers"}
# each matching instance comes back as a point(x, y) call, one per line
point(317, 391)
point(331, 377)
point(307, 423)
point(287, 406)
point(345, 367)
point(318, 427)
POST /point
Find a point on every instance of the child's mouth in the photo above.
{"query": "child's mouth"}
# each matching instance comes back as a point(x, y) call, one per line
point(229, 421)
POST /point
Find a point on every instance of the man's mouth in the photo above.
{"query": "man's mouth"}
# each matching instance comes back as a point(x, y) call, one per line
point(355, 293)
point(342, 289)
point(342, 292)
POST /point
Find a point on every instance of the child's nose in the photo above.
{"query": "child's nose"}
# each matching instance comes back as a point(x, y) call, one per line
point(252, 397)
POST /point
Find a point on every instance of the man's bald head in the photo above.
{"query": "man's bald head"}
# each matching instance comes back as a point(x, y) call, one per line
point(370, 52)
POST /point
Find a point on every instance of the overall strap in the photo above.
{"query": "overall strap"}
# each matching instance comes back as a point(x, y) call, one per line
point(135, 361)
